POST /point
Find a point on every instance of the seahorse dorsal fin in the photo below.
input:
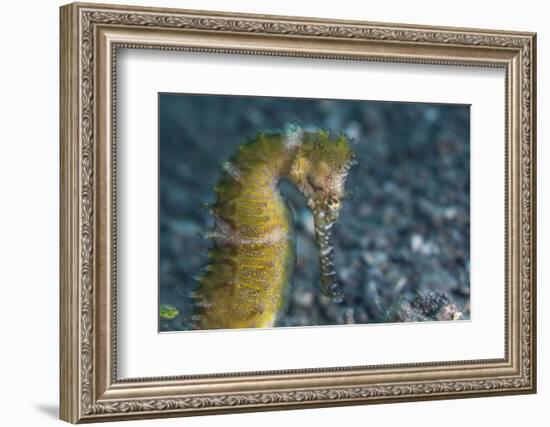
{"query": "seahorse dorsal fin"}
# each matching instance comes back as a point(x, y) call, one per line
point(232, 171)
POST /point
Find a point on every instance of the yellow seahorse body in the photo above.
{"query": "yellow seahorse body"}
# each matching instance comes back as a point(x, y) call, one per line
point(250, 265)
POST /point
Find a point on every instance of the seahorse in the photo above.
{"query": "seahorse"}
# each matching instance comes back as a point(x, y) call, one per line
point(250, 266)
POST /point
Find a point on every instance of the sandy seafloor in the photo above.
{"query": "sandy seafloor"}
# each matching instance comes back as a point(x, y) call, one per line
point(403, 240)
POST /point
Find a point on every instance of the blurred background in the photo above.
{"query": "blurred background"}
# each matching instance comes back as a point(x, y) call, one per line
point(403, 240)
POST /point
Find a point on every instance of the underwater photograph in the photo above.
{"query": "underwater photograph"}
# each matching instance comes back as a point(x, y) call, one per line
point(291, 212)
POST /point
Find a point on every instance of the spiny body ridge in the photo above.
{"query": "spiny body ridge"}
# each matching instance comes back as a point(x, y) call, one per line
point(251, 262)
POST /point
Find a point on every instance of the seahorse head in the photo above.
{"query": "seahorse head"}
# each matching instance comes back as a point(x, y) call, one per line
point(319, 170)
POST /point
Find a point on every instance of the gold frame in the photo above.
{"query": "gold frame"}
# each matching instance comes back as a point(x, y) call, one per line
point(90, 36)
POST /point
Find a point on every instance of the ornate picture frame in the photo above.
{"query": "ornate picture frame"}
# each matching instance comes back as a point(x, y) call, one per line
point(91, 34)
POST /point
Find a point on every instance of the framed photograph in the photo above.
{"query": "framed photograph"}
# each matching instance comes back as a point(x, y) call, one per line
point(267, 212)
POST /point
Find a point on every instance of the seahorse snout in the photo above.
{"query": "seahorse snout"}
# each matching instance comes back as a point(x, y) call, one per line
point(330, 286)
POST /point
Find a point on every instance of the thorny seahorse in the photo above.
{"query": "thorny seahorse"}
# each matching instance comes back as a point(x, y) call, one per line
point(250, 266)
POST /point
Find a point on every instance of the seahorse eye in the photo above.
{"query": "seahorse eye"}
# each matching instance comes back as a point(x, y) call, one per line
point(333, 203)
